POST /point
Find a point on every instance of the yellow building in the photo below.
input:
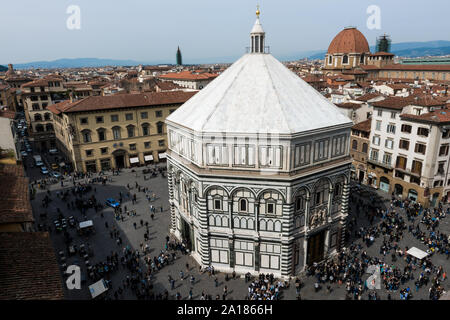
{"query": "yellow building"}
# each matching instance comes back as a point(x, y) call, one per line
point(103, 132)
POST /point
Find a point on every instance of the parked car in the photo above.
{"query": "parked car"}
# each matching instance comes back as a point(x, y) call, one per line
point(56, 175)
point(112, 203)
point(44, 170)
point(39, 163)
point(54, 166)
point(53, 151)
point(23, 153)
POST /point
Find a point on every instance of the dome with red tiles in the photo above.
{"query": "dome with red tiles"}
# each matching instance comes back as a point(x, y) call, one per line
point(349, 40)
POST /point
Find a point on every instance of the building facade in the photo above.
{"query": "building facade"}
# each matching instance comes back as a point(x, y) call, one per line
point(258, 169)
point(103, 132)
point(359, 149)
point(36, 96)
point(409, 155)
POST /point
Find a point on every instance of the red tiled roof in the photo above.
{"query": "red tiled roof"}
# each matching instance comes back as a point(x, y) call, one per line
point(28, 267)
point(418, 67)
point(363, 126)
point(123, 101)
point(7, 114)
point(349, 105)
point(397, 103)
point(187, 75)
point(382, 53)
point(42, 82)
point(369, 96)
point(349, 40)
point(14, 195)
point(401, 102)
point(437, 116)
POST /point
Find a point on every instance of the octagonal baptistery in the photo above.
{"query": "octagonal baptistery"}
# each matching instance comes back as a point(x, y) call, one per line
point(258, 169)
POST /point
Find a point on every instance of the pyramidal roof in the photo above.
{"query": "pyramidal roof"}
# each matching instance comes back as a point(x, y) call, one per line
point(258, 94)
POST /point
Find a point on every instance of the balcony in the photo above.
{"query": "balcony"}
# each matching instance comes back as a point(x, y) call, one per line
point(380, 164)
point(409, 171)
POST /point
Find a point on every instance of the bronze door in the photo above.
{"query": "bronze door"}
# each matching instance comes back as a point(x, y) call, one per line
point(316, 244)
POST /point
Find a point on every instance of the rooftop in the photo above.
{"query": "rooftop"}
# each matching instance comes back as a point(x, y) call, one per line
point(28, 267)
point(122, 101)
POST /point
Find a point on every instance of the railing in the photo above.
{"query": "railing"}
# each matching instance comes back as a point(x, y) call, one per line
point(409, 171)
point(381, 164)
point(266, 49)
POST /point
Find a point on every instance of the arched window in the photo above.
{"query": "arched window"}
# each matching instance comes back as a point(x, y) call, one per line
point(243, 205)
point(365, 147)
point(263, 225)
point(86, 135)
point(277, 226)
point(236, 223)
point(243, 223)
point(47, 116)
point(345, 59)
point(101, 134)
point(330, 59)
point(116, 133)
point(37, 117)
point(39, 128)
point(321, 192)
point(49, 127)
point(145, 129)
point(130, 130)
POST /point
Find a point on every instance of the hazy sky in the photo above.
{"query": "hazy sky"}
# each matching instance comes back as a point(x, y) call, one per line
point(151, 30)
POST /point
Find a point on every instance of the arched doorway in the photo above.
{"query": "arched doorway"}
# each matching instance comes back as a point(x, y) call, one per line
point(398, 189)
point(384, 184)
point(435, 199)
point(316, 248)
point(412, 194)
point(119, 158)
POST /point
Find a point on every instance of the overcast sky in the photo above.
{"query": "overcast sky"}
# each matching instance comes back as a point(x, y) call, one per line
point(151, 30)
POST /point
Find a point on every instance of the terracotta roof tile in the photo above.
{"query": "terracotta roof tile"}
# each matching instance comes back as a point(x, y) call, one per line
point(28, 267)
point(126, 100)
point(349, 40)
point(363, 126)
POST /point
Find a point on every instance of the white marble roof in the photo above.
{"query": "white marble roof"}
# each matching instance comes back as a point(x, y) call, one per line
point(257, 27)
point(258, 94)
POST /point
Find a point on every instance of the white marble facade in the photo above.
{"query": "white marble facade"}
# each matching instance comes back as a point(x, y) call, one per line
point(250, 194)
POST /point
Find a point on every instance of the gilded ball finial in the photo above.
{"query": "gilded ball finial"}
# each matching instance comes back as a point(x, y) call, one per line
point(257, 11)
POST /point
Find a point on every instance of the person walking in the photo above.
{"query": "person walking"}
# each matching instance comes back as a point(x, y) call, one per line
point(134, 224)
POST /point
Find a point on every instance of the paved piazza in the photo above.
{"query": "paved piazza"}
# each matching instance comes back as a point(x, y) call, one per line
point(103, 244)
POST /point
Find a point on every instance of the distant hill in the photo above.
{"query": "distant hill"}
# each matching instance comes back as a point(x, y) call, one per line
point(3, 68)
point(402, 49)
point(76, 63)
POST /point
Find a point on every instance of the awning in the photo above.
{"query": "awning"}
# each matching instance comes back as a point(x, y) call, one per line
point(86, 224)
point(162, 155)
point(148, 157)
point(419, 254)
point(97, 288)
point(134, 160)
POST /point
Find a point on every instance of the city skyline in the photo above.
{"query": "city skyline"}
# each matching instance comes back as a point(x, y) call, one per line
point(139, 29)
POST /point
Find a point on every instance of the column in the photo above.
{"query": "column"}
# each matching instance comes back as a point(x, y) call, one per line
point(307, 205)
point(343, 215)
point(172, 205)
point(202, 218)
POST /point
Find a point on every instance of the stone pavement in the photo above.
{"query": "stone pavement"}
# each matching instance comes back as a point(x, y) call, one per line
point(103, 244)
